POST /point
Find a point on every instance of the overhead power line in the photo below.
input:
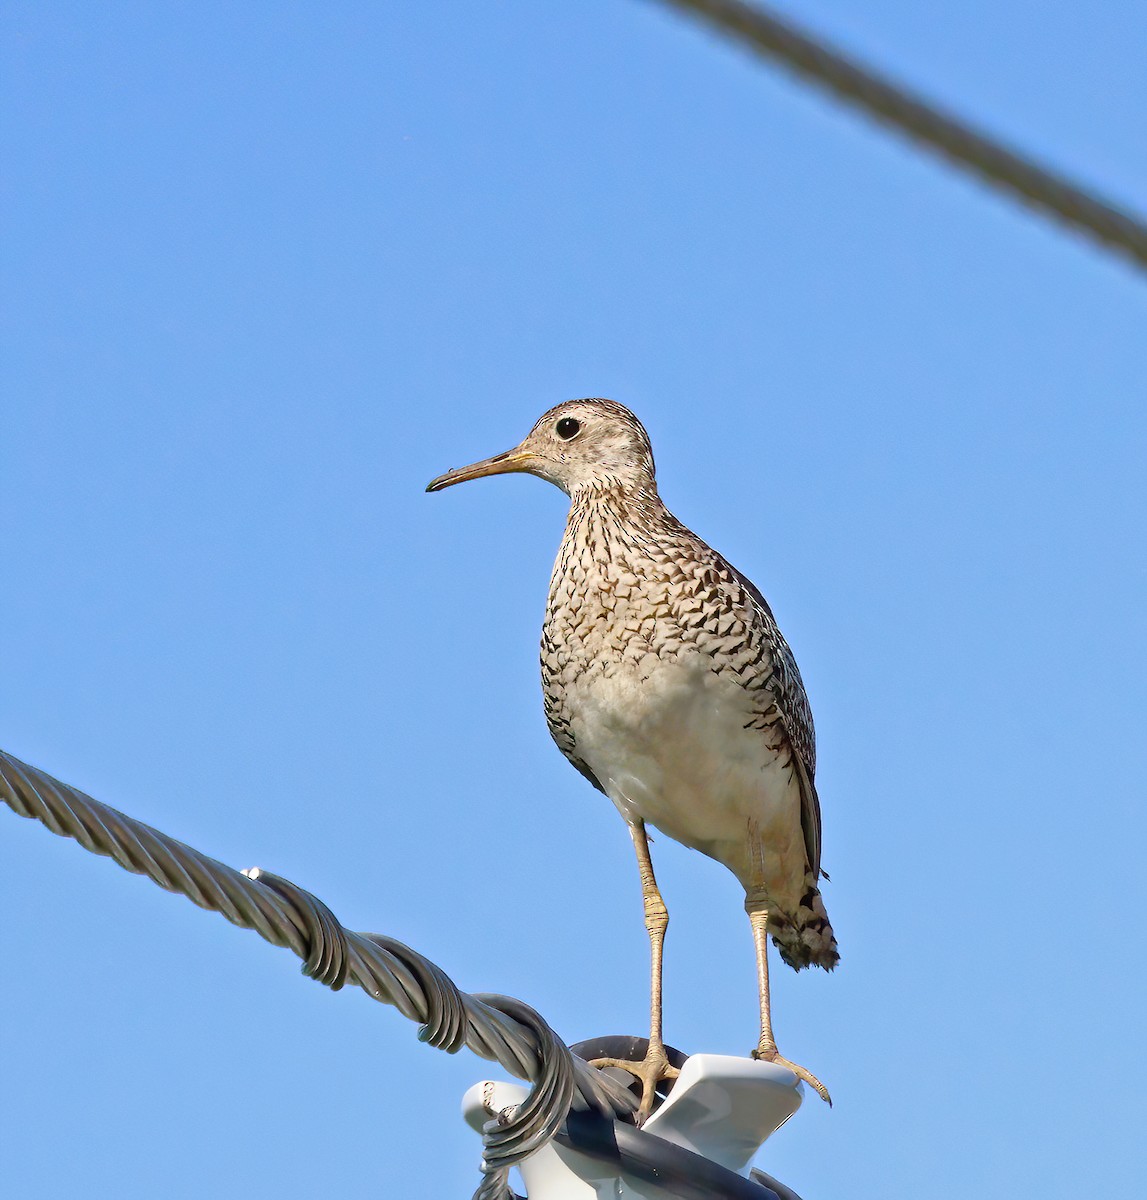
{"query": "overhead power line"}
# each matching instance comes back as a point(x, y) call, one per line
point(495, 1027)
point(767, 34)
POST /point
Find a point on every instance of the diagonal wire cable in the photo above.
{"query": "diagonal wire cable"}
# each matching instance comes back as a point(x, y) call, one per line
point(494, 1027)
point(767, 34)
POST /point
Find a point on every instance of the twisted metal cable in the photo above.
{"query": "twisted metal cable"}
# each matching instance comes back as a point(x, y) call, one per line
point(768, 34)
point(494, 1027)
point(508, 1139)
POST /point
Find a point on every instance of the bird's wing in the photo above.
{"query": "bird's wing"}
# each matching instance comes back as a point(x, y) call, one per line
point(795, 712)
point(810, 821)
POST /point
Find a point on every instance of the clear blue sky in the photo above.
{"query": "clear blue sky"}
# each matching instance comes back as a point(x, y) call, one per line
point(268, 269)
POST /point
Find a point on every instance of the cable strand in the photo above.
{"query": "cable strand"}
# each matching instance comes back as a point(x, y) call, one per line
point(767, 34)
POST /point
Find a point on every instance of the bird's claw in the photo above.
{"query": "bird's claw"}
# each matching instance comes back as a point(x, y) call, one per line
point(652, 1069)
point(800, 1072)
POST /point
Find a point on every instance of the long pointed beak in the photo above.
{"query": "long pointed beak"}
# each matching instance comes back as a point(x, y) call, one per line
point(500, 464)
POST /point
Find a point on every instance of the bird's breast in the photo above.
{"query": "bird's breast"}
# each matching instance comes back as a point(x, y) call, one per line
point(657, 682)
point(676, 745)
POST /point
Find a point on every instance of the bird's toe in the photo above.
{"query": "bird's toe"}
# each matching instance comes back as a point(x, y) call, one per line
point(799, 1071)
point(649, 1072)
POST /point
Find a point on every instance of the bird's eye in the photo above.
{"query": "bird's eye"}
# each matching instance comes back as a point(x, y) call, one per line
point(567, 428)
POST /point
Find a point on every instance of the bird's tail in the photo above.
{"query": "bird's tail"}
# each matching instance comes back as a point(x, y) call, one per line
point(806, 938)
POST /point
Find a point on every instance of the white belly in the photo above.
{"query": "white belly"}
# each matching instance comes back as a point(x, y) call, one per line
point(673, 750)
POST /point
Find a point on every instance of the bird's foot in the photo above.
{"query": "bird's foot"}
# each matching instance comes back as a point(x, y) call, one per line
point(770, 1054)
point(652, 1069)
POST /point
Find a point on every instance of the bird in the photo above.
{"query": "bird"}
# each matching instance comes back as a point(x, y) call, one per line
point(667, 683)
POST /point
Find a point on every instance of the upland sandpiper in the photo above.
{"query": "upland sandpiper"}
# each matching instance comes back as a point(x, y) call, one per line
point(669, 686)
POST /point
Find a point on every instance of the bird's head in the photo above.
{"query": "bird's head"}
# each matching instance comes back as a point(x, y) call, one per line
point(580, 445)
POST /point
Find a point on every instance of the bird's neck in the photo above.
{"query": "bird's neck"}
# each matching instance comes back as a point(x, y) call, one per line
point(610, 523)
point(625, 503)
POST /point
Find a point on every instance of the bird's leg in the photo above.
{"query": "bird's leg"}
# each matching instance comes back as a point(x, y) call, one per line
point(767, 1047)
point(655, 1066)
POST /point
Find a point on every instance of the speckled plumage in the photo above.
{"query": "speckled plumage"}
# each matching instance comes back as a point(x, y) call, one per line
point(646, 625)
point(669, 686)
